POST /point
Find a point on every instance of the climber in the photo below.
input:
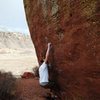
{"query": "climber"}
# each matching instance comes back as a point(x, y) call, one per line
point(43, 69)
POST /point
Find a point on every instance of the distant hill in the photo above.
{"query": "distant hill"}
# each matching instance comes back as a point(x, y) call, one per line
point(17, 53)
point(13, 40)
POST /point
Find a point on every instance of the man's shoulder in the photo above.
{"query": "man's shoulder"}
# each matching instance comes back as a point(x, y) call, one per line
point(43, 65)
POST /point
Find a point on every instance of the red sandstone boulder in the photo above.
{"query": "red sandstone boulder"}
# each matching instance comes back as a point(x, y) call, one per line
point(27, 75)
point(73, 28)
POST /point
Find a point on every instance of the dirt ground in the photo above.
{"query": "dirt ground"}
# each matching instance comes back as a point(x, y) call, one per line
point(18, 63)
point(29, 89)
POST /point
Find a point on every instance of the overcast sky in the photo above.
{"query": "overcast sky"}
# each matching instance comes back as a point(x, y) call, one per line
point(12, 15)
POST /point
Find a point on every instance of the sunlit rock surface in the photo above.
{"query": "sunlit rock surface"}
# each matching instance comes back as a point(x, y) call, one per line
point(73, 28)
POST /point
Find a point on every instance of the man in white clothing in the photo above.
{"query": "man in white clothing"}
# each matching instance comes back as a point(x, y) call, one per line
point(43, 69)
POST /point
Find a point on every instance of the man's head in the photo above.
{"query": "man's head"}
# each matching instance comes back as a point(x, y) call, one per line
point(36, 71)
point(41, 61)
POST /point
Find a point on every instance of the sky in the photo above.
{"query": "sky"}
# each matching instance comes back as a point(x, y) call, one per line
point(12, 16)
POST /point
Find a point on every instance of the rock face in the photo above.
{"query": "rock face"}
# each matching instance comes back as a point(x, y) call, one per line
point(73, 28)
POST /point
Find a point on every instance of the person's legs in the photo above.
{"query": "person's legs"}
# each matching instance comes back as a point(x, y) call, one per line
point(44, 84)
point(50, 84)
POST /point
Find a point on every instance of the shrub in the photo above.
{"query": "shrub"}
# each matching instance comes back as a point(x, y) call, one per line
point(7, 86)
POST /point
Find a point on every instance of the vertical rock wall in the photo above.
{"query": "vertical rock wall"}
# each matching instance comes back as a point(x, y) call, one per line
point(73, 28)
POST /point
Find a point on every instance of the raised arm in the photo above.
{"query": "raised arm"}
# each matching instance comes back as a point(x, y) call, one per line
point(47, 53)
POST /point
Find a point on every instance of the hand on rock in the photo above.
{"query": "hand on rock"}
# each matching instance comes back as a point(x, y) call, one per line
point(49, 45)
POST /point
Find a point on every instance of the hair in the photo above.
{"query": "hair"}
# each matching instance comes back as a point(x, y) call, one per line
point(36, 71)
point(41, 61)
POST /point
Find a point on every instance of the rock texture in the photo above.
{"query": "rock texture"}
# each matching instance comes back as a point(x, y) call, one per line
point(73, 27)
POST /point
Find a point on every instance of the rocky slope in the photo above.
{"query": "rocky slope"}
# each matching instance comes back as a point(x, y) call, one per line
point(17, 53)
point(73, 27)
point(14, 40)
